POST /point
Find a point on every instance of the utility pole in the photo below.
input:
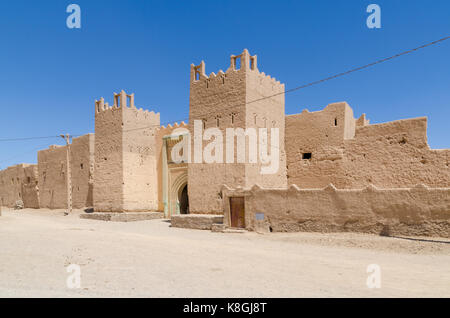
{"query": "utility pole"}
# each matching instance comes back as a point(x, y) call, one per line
point(68, 174)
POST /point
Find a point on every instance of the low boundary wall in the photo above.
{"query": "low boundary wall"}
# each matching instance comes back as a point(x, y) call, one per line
point(417, 211)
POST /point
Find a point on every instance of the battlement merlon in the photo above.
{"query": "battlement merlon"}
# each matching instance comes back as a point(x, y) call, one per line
point(362, 121)
point(122, 97)
point(198, 72)
point(248, 62)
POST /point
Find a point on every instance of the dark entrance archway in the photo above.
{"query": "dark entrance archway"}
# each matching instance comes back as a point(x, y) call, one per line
point(184, 200)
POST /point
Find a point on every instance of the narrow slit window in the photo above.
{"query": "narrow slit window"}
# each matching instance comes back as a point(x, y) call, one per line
point(335, 121)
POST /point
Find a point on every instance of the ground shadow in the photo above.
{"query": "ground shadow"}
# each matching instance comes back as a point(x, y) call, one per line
point(419, 240)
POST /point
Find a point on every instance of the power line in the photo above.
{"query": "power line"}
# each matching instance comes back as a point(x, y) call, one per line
point(28, 138)
point(352, 70)
point(21, 154)
point(355, 69)
point(33, 138)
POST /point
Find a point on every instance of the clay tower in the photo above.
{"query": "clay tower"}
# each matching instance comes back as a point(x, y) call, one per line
point(125, 176)
point(237, 98)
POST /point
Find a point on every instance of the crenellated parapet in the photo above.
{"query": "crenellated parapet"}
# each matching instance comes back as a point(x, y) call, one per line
point(166, 130)
point(173, 126)
point(242, 63)
point(148, 114)
point(125, 102)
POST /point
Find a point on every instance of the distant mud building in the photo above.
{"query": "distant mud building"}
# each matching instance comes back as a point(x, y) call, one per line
point(336, 172)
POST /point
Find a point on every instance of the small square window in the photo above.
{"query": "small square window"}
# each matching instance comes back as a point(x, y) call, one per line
point(307, 155)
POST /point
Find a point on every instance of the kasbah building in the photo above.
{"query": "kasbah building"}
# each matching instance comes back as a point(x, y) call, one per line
point(336, 172)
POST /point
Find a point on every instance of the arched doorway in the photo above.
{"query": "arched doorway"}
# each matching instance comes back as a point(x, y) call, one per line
point(183, 199)
point(178, 195)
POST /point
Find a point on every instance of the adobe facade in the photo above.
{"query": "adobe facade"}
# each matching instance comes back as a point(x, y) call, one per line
point(327, 156)
point(19, 182)
point(351, 153)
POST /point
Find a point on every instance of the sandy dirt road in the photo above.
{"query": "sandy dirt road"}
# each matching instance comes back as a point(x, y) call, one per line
point(151, 259)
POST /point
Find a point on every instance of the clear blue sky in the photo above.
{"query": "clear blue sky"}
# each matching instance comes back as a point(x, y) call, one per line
point(50, 75)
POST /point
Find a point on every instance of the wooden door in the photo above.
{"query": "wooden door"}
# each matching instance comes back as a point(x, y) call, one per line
point(237, 212)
